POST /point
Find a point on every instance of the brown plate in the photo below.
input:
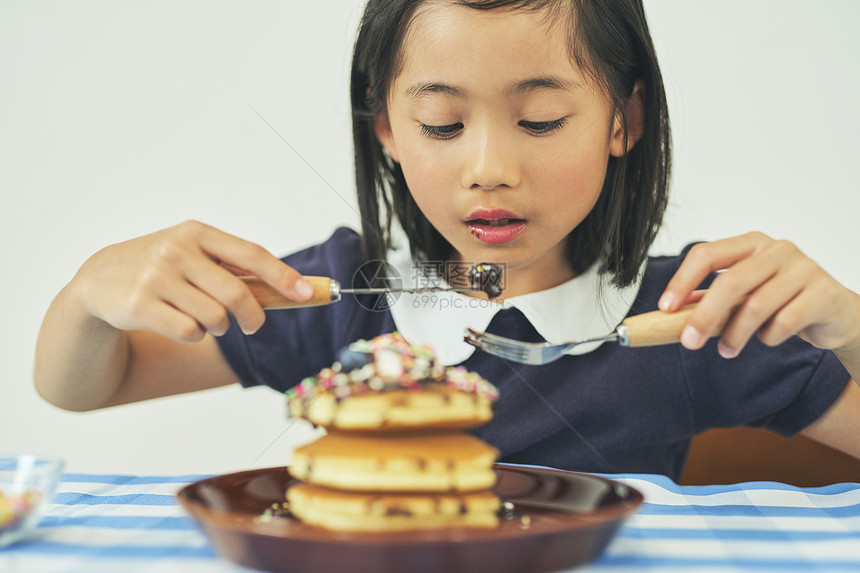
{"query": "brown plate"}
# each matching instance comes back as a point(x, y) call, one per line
point(560, 520)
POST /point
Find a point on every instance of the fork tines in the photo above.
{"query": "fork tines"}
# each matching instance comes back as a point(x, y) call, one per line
point(494, 345)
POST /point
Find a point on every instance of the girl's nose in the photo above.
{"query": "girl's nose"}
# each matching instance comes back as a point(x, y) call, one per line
point(490, 163)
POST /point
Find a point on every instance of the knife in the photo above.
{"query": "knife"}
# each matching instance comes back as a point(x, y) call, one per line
point(483, 277)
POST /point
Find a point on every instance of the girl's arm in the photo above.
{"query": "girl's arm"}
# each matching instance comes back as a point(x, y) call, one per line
point(839, 426)
point(137, 320)
point(774, 291)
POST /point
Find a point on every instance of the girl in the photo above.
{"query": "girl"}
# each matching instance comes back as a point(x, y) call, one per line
point(533, 135)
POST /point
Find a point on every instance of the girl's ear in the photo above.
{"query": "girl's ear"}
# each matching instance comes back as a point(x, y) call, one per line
point(383, 132)
point(635, 111)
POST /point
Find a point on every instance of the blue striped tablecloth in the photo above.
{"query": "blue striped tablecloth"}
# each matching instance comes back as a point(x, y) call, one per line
point(132, 524)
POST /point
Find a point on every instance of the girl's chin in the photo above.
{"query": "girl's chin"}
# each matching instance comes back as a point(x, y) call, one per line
point(508, 259)
point(501, 256)
point(515, 254)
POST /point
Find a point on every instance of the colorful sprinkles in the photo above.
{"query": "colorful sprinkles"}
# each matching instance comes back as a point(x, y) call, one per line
point(275, 511)
point(386, 363)
point(14, 508)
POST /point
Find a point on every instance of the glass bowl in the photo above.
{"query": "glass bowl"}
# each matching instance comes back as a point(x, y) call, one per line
point(27, 484)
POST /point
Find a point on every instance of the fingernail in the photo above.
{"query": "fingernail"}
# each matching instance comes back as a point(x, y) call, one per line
point(692, 338)
point(725, 350)
point(666, 301)
point(248, 331)
point(304, 288)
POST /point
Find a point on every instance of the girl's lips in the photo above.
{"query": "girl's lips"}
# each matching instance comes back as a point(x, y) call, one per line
point(497, 233)
point(495, 226)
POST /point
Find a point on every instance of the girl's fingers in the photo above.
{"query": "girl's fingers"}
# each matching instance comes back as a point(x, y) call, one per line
point(200, 306)
point(821, 314)
point(167, 303)
point(695, 296)
point(729, 290)
point(704, 259)
point(791, 319)
point(166, 319)
point(175, 282)
point(217, 284)
point(768, 287)
point(255, 260)
point(219, 290)
point(768, 305)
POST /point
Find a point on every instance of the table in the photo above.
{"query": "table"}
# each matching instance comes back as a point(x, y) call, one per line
point(132, 524)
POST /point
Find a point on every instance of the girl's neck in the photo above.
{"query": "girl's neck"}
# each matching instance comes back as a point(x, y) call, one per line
point(522, 281)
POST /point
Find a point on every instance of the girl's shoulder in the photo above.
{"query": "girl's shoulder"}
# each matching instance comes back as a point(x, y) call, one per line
point(668, 263)
point(344, 242)
point(339, 254)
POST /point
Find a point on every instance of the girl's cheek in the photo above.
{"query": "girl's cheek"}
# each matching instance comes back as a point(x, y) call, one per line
point(429, 160)
point(423, 176)
point(577, 180)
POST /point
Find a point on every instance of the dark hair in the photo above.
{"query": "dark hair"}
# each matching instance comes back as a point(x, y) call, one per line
point(610, 41)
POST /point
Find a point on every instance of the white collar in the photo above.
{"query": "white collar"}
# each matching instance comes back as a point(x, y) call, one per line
point(578, 309)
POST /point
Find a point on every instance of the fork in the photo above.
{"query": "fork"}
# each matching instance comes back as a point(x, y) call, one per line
point(648, 329)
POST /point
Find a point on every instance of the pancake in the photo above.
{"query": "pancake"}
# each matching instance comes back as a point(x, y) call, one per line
point(387, 384)
point(395, 462)
point(436, 406)
point(395, 456)
point(350, 511)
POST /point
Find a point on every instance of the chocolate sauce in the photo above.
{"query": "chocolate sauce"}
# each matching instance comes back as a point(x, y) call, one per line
point(486, 277)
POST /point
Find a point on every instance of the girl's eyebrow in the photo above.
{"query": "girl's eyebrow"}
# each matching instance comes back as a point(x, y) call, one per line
point(523, 87)
point(419, 90)
point(541, 83)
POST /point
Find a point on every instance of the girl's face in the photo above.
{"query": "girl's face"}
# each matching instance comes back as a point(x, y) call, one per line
point(503, 141)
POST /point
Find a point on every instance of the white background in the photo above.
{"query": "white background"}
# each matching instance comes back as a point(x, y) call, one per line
point(121, 118)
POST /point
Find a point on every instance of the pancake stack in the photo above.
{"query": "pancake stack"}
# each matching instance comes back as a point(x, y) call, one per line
point(395, 456)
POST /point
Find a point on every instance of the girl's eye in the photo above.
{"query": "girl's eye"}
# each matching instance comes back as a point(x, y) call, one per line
point(441, 131)
point(543, 127)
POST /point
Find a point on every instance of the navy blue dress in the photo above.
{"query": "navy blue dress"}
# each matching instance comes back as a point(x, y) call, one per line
point(612, 410)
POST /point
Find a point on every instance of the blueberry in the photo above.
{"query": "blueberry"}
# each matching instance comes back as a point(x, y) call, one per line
point(353, 359)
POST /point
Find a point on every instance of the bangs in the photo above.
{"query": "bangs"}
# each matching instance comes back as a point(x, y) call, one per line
point(557, 13)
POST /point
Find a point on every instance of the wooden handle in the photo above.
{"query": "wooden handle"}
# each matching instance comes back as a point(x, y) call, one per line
point(268, 297)
point(658, 327)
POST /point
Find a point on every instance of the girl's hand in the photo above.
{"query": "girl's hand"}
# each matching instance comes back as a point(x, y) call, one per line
point(175, 282)
point(768, 287)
